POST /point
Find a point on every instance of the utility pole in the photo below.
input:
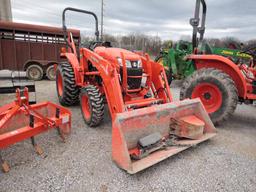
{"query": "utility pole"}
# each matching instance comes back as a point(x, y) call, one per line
point(102, 15)
point(5, 10)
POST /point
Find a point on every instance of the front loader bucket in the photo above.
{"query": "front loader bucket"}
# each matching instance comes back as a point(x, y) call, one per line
point(142, 126)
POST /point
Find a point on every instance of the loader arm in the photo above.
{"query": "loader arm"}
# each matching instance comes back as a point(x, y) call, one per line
point(110, 80)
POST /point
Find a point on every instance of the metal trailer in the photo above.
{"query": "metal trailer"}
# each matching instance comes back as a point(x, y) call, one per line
point(32, 48)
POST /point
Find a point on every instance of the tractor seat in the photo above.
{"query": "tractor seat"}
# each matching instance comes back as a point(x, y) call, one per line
point(106, 44)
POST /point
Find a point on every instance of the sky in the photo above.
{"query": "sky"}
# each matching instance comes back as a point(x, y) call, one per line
point(168, 19)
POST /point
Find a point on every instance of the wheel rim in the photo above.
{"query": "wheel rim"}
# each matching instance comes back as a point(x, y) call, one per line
point(85, 107)
point(51, 73)
point(210, 96)
point(34, 73)
point(60, 85)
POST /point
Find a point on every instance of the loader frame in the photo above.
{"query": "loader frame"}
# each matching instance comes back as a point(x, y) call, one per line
point(110, 77)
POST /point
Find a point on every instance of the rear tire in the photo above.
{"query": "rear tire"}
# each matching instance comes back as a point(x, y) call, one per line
point(168, 72)
point(67, 91)
point(216, 90)
point(92, 105)
point(35, 72)
point(50, 73)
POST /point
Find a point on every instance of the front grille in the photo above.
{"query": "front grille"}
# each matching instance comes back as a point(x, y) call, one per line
point(133, 83)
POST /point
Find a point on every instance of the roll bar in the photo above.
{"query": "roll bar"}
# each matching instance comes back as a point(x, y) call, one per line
point(195, 22)
point(80, 11)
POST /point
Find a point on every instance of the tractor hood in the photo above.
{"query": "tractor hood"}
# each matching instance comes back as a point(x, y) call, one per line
point(111, 54)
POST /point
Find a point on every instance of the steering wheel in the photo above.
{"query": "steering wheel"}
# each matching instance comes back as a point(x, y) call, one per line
point(94, 44)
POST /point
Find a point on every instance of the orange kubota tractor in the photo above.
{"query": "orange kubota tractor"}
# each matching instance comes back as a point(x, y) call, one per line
point(147, 126)
point(219, 82)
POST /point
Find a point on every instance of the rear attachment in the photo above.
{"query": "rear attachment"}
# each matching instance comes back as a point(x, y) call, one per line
point(20, 121)
point(144, 137)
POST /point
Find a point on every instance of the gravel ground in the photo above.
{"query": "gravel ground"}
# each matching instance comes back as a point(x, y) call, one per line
point(224, 163)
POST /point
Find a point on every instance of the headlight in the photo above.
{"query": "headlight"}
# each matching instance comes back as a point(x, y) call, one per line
point(127, 62)
point(136, 64)
point(119, 60)
point(139, 65)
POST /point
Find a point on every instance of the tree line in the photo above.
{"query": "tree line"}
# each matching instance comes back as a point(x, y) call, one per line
point(153, 44)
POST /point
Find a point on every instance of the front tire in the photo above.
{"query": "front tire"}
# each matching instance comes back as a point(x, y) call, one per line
point(216, 90)
point(67, 91)
point(92, 105)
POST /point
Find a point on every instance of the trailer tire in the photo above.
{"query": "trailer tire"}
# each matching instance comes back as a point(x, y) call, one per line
point(67, 90)
point(92, 105)
point(216, 90)
point(35, 72)
point(168, 72)
point(50, 73)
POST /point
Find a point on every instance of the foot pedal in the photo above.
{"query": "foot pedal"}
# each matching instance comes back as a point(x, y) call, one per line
point(5, 167)
point(38, 150)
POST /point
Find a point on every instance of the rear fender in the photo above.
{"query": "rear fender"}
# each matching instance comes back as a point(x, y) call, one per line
point(72, 59)
point(223, 64)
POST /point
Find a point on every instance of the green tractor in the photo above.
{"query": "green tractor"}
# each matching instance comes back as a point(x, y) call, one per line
point(174, 62)
point(178, 67)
